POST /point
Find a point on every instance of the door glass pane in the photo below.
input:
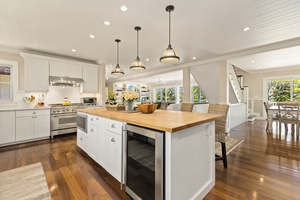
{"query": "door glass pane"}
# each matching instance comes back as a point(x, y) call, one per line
point(171, 95)
point(296, 90)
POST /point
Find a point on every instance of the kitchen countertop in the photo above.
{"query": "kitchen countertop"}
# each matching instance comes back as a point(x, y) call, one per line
point(164, 120)
point(16, 108)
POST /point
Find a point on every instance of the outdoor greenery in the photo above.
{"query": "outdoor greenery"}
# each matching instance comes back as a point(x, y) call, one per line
point(283, 90)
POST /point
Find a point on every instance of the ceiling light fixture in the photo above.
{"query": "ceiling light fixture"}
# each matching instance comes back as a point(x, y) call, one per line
point(123, 8)
point(169, 55)
point(73, 50)
point(137, 64)
point(194, 58)
point(92, 36)
point(117, 70)
point(107, 23)
point(246, 29)
point(147, 59)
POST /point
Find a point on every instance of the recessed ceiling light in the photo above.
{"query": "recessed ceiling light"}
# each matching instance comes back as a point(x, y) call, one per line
point(73, 50)
point(147, 59)
point(92, 36)
point(123, 8)
point(246, 28)
point(194, 58)
point(252, 61)
point(107, 23)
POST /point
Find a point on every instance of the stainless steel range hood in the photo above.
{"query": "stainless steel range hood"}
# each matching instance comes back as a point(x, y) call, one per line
point(65, 81)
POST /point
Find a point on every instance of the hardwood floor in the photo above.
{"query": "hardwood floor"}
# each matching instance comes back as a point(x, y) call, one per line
point(264, 166)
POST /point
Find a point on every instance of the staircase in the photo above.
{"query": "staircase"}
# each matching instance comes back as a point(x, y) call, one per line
point(235, 83)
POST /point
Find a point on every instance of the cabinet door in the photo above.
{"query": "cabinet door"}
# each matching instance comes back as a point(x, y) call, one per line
point(36, 74)
point(92, 141)
point(90, 77)
point(24, 128)
point(82, 140)
point(58, 69)
point(74, 71)
point(114, 154)
point(42, 126)
point(101, 142)
point(7, 127)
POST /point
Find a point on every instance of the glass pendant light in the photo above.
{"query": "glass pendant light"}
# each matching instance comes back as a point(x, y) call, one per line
point(169, 55)
point(137, 64)
point(118, 70)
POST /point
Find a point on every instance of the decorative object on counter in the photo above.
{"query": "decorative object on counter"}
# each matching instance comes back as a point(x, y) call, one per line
point(117, 70)
point(118, 107)
point(29, 99)
point(111, 97)
point(169, 55)
point(66, 102)
point(147, 108)
point(40, 101)
point(129, 98)
point(137, 64)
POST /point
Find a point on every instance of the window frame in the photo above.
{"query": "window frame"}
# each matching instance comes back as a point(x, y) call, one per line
point(14, 80)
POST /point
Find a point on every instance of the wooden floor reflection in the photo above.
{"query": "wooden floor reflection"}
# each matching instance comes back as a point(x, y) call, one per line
point(264, 166)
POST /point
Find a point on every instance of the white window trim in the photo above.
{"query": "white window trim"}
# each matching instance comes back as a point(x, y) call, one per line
point(15, 80)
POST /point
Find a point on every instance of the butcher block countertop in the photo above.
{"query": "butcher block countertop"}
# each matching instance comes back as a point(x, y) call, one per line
point(164, 120)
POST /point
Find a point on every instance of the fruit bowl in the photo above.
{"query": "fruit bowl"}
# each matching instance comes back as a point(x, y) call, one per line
point(147, 108)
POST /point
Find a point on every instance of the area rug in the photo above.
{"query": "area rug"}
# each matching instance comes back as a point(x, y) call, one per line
point(27, 182)
point(231, 143)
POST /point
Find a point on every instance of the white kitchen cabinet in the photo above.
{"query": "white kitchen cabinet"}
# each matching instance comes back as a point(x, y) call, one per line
point(114, 148)
point(36, 74)
point(32, 124)
point(7, 127)
point(65, 69)
point(82, 140)
point(90, 77)
point(92, 137)
point(101, 144)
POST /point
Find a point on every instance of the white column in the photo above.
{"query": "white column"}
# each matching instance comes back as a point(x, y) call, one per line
point(186, 81)
point(102, 79)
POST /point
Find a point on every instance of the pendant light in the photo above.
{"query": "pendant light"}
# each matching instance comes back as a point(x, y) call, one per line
point(118, 70)
point(169, 55)
point(137, 64)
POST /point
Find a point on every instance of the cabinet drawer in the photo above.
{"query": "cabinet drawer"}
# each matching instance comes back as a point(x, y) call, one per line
point(82, 140)
point(93, 119)
point(29, 113)
point(114, 126)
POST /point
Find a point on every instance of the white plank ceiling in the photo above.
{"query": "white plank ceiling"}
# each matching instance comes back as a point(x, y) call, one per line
point(200, 28)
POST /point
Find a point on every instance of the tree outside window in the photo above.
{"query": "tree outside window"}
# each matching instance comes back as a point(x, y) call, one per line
point(283, 90)
point(171, 95)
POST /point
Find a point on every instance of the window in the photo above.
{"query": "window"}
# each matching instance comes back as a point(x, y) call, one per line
point(171, 95)
point(8, 80)
point(197, 95)
point(281, 90)
point(160, 94)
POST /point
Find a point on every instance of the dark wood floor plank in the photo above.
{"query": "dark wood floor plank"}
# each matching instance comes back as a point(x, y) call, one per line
point(264, 166)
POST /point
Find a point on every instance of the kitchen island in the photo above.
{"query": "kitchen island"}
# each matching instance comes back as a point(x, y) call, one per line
point(189, 153)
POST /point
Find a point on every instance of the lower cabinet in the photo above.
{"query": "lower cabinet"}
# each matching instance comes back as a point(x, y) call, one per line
point(32, 124)
point(114, 154)
point(7, 127)
point(103, 143)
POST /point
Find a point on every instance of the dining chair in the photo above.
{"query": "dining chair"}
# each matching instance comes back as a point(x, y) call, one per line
point(289, 114)
point(275, 116)
point(187, 107)
point(164, 105)
point(220, 128)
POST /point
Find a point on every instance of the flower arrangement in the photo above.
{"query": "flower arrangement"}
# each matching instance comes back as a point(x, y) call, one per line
point(129, 96)
point(111, 95)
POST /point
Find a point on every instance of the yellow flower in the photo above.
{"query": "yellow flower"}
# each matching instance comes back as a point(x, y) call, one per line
point(129, 96)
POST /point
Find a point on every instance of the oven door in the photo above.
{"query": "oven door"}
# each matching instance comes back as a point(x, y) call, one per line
point(63, 121)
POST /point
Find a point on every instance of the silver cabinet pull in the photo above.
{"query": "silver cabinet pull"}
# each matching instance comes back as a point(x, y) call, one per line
point(92, 129)
point(81, 139)
point(92, 119)
point(97, 118)
point(113, 140)
point(113, 126)
point(33, 113)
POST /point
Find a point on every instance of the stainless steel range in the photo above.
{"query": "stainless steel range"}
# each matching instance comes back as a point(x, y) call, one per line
point(63, 118)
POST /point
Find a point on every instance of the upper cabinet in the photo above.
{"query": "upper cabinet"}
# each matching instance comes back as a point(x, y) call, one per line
point(36, 74)
point(65, 69)
point(90, 77)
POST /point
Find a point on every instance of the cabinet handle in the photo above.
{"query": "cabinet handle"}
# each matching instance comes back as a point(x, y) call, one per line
point(113, 140)
point(97, 118)
point(81, 139)
point(92, 129)
point(113, 126)
point(33, 113)
point(92, 119)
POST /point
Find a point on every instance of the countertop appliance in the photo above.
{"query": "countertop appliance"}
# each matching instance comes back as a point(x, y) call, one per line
point(63, 118)
point(144, 164)
point(89, 101)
